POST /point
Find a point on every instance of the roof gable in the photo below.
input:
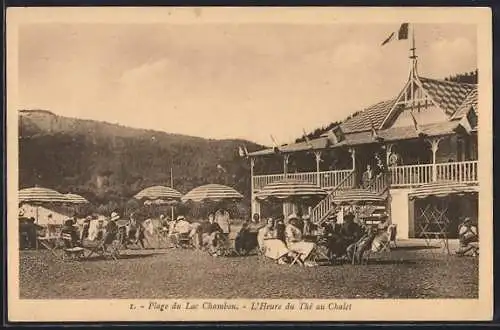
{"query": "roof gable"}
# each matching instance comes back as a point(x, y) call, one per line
point(448, 95)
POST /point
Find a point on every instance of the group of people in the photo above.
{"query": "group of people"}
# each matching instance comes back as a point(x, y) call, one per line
point(299, 239)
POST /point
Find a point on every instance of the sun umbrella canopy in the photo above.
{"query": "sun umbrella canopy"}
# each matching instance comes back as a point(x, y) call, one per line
point(212, 192)
point(161, 202)
point(159, 193)
point(290, 189)
point(76, 199)
point(41, 195)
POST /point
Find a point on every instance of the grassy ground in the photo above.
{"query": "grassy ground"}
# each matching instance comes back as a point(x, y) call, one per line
point(411, 271)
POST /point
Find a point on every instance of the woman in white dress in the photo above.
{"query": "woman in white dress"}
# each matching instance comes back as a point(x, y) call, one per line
point(270, 246)
point(294, 240)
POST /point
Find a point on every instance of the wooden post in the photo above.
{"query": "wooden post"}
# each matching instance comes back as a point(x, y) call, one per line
point(352, 151)
point(434, 147)
point(255, 205)
point(286, 158)
point(317, 154)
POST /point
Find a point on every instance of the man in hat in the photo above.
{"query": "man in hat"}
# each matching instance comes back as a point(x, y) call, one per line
point(467, 234)
point(111, 226)
point(309, 228)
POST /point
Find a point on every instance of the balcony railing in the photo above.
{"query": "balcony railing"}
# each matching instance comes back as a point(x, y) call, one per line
point(327, 179)
point(414, 175)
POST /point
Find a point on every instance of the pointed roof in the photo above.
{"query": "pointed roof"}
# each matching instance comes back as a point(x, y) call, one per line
point(454, 98)
point(374, 114)
point(448, 95)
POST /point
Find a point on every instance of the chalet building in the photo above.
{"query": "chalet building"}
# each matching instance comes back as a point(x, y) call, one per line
point(425, 138)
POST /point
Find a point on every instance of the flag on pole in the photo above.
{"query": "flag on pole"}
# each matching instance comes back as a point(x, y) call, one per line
point(308, 142)
point(276, 146)
point(242, 151)
point(375, 135)
point(400, 34)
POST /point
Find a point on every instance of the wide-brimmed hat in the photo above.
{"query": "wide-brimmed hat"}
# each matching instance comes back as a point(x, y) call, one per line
point(181, 217)
point(306, 217)
point(114, 216)
point(292, 216)
point(467, 219)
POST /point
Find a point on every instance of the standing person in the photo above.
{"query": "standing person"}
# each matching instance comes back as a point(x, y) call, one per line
point(367, 177)
point(85, 228)
point(222, 218)
point(51, 226)
point(256, 218)
point(196, 235)
point(309, 228)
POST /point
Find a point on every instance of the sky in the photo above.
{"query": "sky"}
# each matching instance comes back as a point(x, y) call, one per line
point(227, 80)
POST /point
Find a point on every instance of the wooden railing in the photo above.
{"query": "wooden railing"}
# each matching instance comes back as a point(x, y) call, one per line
point(414, 175)
point(457, 172)
point(323, 208)
point(410, 175)
point(327, 179)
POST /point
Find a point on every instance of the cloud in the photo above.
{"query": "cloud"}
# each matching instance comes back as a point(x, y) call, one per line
point(449, 56)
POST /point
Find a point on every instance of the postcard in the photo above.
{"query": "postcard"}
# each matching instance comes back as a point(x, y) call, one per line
point(249, 164)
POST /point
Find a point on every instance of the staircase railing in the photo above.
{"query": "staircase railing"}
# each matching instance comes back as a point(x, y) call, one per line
point(321, 211)
point(379, 184)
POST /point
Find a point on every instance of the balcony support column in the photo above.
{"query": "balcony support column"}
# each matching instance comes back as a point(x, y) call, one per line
point(286, 159)
point(317, 155)
point(255, 204)
point(352, 151)
point(434, 142)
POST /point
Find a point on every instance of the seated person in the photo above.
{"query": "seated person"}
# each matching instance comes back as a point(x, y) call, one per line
point(280, 230)
point(69, 229)
point(111, 230)
point(295, 243)
point(196, 234)
point(134, 232)
point(270, 245)
point(85, 228)
point(244, 241)
point(309, 228)
point(351, 232)
point(213, 234)
point(180, 227)
point(467, 234)
point(332, 235)
point(356, 250)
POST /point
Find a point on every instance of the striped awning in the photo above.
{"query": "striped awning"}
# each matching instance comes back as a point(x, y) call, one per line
point(41, 195)
point(290, 189)
point(443, 189)
point(76, 199)
point(212, 192)
point(358, 196)
point(159, 193)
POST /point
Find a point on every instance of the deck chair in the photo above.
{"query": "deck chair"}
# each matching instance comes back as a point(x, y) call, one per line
point(107, 247)
point(70, 251)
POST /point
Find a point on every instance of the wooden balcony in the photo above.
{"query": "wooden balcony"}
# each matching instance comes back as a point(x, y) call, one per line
point(325, 179)
point(415, 175)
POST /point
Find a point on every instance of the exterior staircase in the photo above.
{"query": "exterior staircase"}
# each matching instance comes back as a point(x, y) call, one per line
point(348, 191)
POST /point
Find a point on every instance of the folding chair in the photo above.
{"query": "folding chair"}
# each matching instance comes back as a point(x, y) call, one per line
point(50, 243)
point(71, 252)
point(107, 250)
point(184, 241)
point(296, 259)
